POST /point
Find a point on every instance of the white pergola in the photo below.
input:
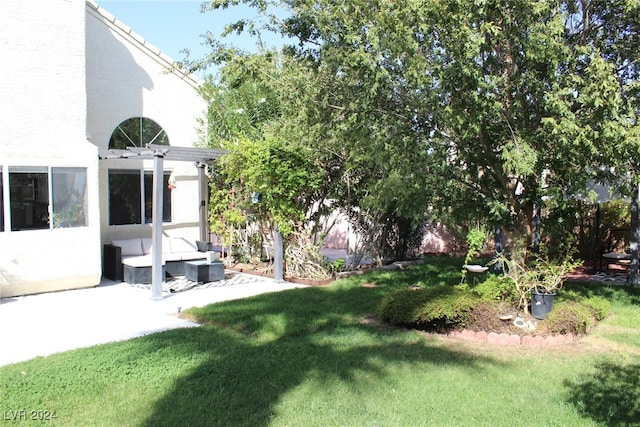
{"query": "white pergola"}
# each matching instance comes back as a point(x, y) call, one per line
point(159, 153)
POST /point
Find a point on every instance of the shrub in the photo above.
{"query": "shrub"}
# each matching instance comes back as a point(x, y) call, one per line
point(400, 307)
point(540, 272)
point(569, 317)
point(434, 308)
point(497, 288)
point(600, 307)
point(336, 266)
point(476, 239)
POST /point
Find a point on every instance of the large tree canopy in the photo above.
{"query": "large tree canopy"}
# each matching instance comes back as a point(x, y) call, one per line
point(473, 111)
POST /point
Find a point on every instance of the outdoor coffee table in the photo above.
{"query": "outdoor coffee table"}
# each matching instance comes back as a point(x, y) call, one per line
point(203, 272)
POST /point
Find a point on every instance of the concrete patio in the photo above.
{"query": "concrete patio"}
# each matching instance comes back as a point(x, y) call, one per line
point(40, 325)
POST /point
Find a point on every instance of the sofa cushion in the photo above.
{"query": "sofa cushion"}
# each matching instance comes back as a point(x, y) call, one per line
point(171, 257)
point(147, 245)
point(130, 247)
point(180, 244)
point(138, 261)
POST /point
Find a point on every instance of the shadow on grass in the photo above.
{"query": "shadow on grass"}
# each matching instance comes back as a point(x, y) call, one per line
point(435, 271)
point(610, 396)
point(261, 348)
point(617, 294)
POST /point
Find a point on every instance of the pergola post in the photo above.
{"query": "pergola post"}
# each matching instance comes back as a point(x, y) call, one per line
point(157, 273)
point(278, 256)
point(202, 191)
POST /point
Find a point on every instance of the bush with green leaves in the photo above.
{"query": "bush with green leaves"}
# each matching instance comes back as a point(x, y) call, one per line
point(436, 308)
point(497, 288)
point(569, 317)
point(600, 307)
point(476, 239)
point(542, 272)
point(336, 265)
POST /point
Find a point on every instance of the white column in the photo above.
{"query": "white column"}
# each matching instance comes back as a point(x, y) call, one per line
point(278, 256)
point(157, 275)
point(202, 191)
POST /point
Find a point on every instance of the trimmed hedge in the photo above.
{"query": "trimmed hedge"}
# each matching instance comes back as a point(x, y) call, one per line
point(577, 316)
point(569, 317)
point(497, 288)
point(436, 308)
point(600, 307)
point(446, 307)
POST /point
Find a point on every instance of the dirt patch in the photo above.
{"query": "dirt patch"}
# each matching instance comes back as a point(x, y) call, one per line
point(501, 319)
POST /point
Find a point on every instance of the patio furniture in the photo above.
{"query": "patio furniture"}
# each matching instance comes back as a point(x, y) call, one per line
point(134, 257)
point(139, 272)
point(203, 272)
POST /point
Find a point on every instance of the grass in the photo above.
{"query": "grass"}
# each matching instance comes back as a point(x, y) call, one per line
point(312, 357)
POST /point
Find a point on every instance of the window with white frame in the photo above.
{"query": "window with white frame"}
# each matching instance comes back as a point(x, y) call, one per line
point(131, 196)
point(38, 194)
point(138, 132)
point(29, 198)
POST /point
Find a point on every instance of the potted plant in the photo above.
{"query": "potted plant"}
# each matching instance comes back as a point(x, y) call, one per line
point(539, 276)
point(552, 273)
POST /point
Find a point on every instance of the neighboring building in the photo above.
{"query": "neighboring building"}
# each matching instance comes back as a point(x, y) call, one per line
point(76, 82)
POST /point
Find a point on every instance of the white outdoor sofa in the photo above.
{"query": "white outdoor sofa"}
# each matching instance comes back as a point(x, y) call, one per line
point(130, 260)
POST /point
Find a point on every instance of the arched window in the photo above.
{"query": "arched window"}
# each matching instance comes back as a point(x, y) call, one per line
point(137, 132)
point(130, 190)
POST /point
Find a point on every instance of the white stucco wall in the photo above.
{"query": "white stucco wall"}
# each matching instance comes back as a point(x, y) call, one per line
point(129, 77)
point(42, 114)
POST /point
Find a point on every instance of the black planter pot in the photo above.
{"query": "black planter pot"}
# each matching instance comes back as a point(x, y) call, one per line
point(541, 304)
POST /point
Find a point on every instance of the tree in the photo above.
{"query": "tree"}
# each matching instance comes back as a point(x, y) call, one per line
point(471, 111)
point(269, 180)
point(611, 30)
point(370, 163)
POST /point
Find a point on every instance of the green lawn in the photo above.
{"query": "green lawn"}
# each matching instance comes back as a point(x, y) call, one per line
point(313, 357)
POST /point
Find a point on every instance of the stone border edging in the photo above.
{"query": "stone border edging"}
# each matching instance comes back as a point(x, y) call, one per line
point(512, 339)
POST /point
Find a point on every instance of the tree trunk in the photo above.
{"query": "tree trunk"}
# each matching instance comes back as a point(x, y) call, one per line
point(535, 238)
point(633, 274)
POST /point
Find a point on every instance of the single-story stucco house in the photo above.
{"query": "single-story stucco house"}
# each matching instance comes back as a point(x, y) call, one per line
point(76, 83)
